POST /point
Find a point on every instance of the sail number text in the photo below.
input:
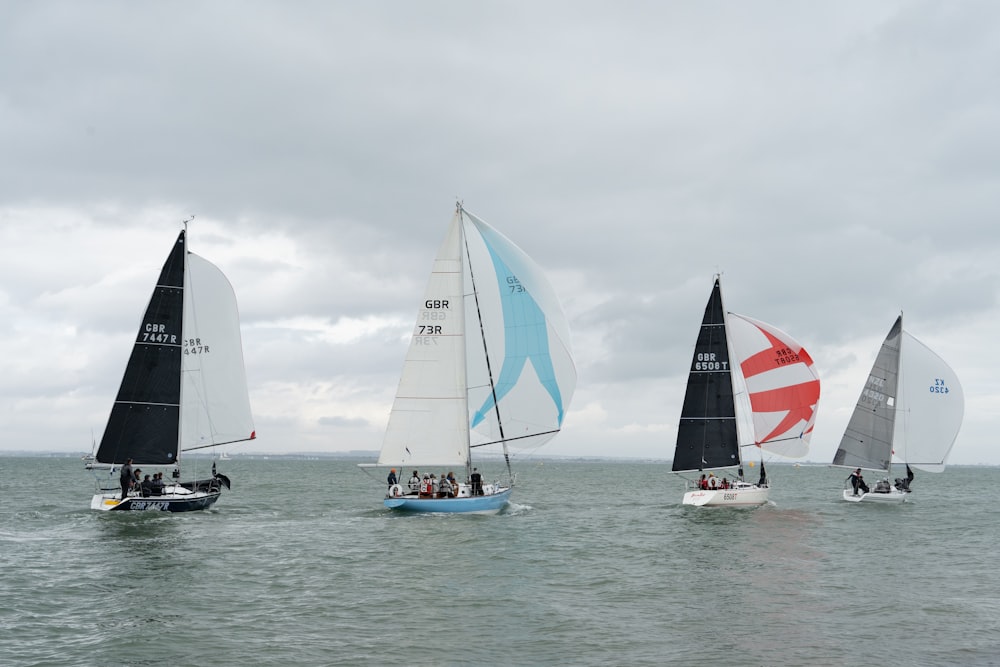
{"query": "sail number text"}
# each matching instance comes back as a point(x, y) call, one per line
point(156, 333)
point(515, 285)
point(434, 311)
point(785, 356)
point(706, 361)
point(195, 346)
point(939, 387)
point(872, 393)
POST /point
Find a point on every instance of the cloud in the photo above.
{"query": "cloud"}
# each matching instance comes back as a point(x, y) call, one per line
point(835, 162)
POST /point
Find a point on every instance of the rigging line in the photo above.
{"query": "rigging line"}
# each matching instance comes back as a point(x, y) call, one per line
point(214, 444)
point(520, 437)
point(482, 333)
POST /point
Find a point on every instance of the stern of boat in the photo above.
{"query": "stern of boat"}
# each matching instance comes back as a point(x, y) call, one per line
point(748, 495)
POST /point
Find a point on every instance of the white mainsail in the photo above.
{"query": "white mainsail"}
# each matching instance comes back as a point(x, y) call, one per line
point(782, 384)
point(428, 423)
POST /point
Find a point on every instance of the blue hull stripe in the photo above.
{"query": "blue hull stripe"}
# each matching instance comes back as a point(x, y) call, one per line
point(481, 504)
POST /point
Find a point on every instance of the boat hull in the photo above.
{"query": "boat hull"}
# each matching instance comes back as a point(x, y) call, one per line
point(744, 497)
point(491, 504)
point(170, 502)
point(893, 497)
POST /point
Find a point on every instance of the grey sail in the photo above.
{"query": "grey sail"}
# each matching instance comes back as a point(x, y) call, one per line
point(867, 441)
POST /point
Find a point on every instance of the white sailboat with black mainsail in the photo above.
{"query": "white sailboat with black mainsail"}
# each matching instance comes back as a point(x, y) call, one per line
point(184, 388)
point(910, 409)
point(489, 365)
point(781, 387)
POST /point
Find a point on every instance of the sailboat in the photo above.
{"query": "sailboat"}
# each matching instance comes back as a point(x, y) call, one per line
point(184, 389)
point(773, 385)
point(910, 408)
point(488, 365)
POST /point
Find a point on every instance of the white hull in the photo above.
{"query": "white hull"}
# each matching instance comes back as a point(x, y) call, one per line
point(740, 497)
point(894, 496)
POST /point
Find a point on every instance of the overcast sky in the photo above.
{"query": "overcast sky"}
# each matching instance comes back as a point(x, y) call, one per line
point(838, 162)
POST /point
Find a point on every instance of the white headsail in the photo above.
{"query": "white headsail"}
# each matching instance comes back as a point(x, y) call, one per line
point(930, 408)
point(215, 406)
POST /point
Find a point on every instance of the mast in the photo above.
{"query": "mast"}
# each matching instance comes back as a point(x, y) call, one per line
point(732, 376)
point(901, 414)
point(486, 355)
point(185, 289)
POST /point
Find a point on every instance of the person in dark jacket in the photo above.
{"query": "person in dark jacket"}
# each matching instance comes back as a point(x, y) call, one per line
point(126, 478)
point(858, 482)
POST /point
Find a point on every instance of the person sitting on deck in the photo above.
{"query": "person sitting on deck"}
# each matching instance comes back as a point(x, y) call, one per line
point(146, 487)
point(156, 485)
point(444, 488)
point(703, 483)
point(425, 487)
point(414, 483)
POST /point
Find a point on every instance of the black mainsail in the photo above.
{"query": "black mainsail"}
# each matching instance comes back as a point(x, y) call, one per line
point(707, 433)
point(144, 420)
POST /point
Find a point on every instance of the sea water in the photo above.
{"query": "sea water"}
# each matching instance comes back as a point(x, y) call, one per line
point(594, 563)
